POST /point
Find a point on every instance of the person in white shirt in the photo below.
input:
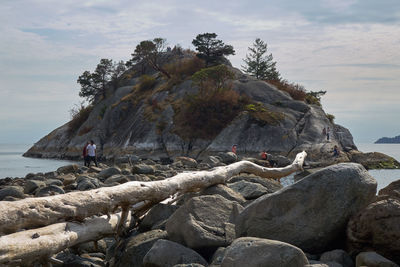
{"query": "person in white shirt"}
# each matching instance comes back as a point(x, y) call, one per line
point(91, 152)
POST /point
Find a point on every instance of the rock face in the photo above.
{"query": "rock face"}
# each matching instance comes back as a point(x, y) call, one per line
point(120, 126)
point(377, 227)
point(204, 221)
point(254, 252)
point(311, 214)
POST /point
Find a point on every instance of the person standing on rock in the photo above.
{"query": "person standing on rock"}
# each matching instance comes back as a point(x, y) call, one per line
point(324, 132)
point(328, 131)
point(91, 150)
point(234, 148)
point(85, 155)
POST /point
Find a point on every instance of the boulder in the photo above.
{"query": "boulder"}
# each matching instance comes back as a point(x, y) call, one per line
point(12, 191)
point(91, 247)
point(213, 161)
point(228, 157)
point(339, 256)
point(225, 192)
point(71, 260)
point(142, 169)
point(136, 247)
point(255, 252)
point(157, 216)
point(248, 190)
point(68, 169)
point(377, 228)
point(87, 183)
point(53, 182)
point(373, 259)
point(218, 257)
point(187, 162)
point(311, 214)
point(50, 190)
point(32, 185)
point(165, 253)
point(270, 184)
point(104, 174)
point(67, 179)
point(393, 189)
point(204, 221)
point(374, 160)
point(118, 178)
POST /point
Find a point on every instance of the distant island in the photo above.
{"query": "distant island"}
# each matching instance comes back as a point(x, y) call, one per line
point(388, 140)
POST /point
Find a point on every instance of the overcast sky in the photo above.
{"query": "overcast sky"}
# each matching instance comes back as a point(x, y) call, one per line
point(350, 48)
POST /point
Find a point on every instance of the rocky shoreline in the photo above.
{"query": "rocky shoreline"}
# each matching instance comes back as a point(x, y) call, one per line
point(329, 218)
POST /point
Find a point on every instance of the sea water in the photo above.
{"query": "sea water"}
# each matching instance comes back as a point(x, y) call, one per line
point(13, 164)
point(383, 177)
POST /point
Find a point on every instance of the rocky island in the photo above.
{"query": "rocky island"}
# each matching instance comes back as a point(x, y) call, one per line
point(169, 192)
point(388, 140)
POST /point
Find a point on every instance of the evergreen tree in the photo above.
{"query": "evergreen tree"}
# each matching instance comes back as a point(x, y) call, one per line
point(149, 52)
point(260, 65)
point(94, 84)
point(211, 49)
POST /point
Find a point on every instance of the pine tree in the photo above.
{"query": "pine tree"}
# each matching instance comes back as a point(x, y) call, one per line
point(211, 49)
point(260, 65)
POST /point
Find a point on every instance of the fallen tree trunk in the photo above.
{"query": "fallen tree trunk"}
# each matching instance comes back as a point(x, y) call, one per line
point(44, 242)
point(37, 212)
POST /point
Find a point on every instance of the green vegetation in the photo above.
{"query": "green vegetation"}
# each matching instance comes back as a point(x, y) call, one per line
point(95, 84)
point(330, 117)
point(262, 115)
point(258, 64)
point(150, 52)
point(79, 114)
point(211, 49)
point(146, 82)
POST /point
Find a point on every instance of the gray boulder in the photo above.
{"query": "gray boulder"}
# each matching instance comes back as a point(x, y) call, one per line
point(120, 179)
point(204, 221)
point(136, 247)
point(157, 216)
point(311, 214)
point(225, 192)
point(87, 183)
point(104, 174)
point(270, 184)
point(255, 252)
point(165, 253)
point(248, 190)
point(31, 185)
point(228, 157)
point(68, 169)
point(12, 191)
point(339, 256)
point(142, 169)
point(373, 259)
point(50, 190)
point(377, 228)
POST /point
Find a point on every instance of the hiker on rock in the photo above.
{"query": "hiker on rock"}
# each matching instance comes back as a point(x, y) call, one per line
point(336, 151)
point(234, 148)
point(328, 131)
point(85, 155)
point(91, 151)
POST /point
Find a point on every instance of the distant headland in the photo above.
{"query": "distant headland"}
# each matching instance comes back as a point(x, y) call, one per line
point(388, 140)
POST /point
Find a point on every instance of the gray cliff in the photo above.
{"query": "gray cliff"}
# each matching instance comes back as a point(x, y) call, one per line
point(124, 123)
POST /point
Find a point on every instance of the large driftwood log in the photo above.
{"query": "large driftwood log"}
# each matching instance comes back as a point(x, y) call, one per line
point(37, 212)
point(44, 242)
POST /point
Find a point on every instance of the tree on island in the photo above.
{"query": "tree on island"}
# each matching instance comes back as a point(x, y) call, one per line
point(150, 52)
point(259, 64)
point(211, 49)
point(94, 84)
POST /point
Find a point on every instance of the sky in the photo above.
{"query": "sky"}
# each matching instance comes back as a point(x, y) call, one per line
point(350, 48)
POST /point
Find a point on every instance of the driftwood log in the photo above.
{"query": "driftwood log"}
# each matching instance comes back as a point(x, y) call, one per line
point(44, 242)
point(76, 206)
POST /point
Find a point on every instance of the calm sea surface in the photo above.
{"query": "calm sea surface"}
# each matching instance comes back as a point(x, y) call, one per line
point(13, 164)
